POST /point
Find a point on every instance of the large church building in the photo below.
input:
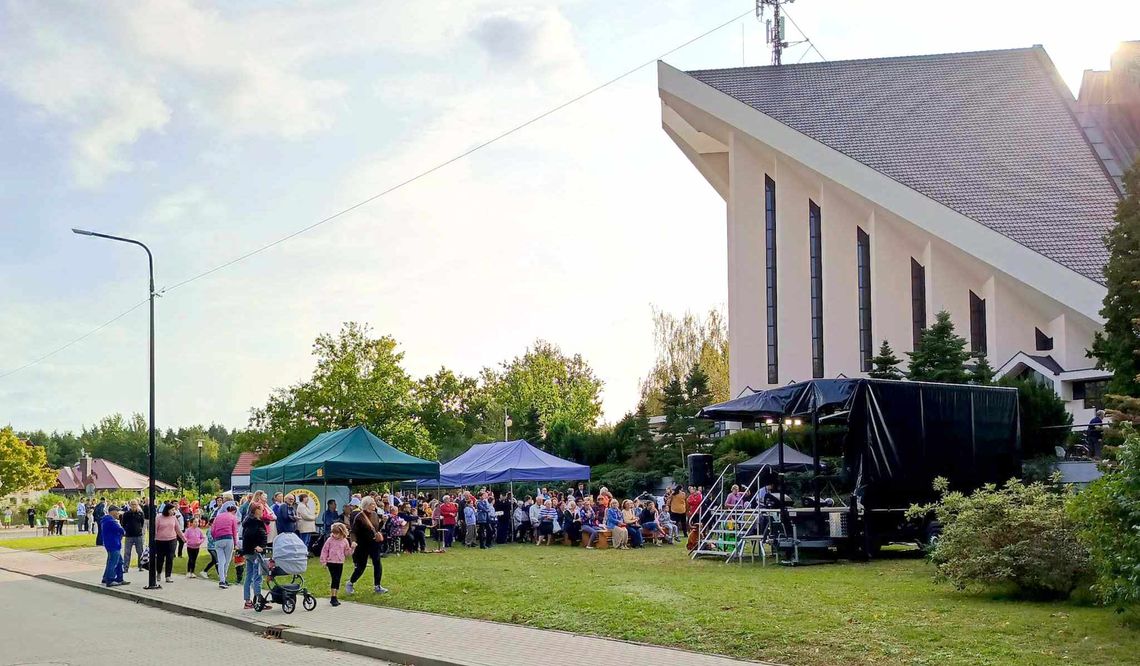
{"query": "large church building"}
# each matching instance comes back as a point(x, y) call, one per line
point(865, 196)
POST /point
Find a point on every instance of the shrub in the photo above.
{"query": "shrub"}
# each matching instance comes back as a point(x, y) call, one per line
point(730, 458)
point(1018, 534)
point(1107, 513)
point(622, 481)
point(1041, 414)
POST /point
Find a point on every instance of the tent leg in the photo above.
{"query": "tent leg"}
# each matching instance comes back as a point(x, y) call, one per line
point(815, 460)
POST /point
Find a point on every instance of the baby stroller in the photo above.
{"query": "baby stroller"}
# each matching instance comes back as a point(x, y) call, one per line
point(289, 559)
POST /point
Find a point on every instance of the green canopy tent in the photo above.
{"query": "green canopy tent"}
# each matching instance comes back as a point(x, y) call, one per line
point(345, 456)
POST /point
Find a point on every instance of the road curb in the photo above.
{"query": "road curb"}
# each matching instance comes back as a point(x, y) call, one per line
point(290, 634)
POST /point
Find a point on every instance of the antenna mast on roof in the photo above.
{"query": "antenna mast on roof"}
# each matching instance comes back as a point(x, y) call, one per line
point(774, 27)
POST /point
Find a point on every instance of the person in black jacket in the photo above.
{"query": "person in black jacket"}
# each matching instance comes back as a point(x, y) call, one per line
point(254, 540)
point(133, 521)
point(365, 532)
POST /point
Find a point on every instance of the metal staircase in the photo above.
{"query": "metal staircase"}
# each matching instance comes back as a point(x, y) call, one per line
point(724, 531)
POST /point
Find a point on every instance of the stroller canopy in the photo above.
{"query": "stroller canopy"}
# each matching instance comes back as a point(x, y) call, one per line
point(290, 554)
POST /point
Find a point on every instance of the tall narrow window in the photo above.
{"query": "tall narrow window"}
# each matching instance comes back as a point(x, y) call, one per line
point(770, 278)
point(815, 234)
point(977, 324)
point(917, 301)
point(863, 252)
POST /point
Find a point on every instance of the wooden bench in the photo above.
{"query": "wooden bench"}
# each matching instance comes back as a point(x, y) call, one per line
point(601, 539)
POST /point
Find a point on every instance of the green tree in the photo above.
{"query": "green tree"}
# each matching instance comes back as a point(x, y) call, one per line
point(543, 387)
point(1107, 513)
point(1117, 346)
point(981, 373)
point(699, 432)
point(671, 445)
point(941, 355)
point(449, 406)
point(885, 364)
point(358, 381)
point(22, 467)
point(1044, 419)
point(682, 342)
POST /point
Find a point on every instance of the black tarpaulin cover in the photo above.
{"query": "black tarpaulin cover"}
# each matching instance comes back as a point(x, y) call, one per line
point(901, 435)
point(793, 399)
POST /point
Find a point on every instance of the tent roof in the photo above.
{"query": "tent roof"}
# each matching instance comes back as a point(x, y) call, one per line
point(771, 458)
point(503, 462)
point(353, 454)
point(793, 399)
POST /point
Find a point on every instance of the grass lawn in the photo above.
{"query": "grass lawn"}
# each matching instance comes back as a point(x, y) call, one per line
point(50, 543)
point(885, 612)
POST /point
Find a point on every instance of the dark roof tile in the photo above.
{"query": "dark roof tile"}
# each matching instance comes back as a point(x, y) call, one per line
point(990, 134)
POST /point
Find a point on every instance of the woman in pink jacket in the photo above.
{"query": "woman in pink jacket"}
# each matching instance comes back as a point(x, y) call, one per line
point(225, 533)
point(195, 537)
point(337, 548)
point(167, 534)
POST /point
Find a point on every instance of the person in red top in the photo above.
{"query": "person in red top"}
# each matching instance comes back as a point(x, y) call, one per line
point(448, 513)
point(695, 497)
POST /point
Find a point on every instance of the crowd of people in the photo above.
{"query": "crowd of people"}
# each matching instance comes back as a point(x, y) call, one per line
point(373, 526)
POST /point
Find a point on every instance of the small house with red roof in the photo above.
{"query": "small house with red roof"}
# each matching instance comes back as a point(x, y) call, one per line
point(239, 478)
point(103, 475)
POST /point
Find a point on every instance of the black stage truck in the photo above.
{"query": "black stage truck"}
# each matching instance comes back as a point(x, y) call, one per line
point(896, 437)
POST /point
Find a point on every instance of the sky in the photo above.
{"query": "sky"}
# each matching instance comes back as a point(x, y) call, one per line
point(209, 129)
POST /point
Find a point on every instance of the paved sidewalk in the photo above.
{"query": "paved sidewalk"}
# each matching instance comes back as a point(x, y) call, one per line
point(406, 637)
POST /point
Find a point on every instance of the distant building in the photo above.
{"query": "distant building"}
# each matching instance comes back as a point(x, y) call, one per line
point(101, 475)
point(864, 196)
point(721, 429)
point(239, 478)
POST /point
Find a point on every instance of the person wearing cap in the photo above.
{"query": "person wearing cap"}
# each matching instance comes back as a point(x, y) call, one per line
point(113, 533)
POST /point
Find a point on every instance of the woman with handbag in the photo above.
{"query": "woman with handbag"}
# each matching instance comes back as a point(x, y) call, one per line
point(369, 545)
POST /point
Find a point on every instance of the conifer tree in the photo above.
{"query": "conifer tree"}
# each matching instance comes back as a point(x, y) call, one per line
point(941, 355)
point(698, 434)
point(982, 373)
point(885, 364)
point(1116, 347)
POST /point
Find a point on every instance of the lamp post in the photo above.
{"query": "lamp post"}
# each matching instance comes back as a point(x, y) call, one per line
point(199, 472)
point(152, 578)
point(506, 425)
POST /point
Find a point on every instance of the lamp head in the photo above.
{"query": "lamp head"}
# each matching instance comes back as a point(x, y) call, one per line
point(82, 232)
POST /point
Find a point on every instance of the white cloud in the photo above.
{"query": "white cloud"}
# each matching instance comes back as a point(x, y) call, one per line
point(114, 71)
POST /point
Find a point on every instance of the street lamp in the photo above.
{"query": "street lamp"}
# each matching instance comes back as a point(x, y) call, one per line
point(199, 472)
point(152, 578)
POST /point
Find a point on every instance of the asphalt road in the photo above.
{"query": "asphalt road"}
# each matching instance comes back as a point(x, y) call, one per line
point(48, 623)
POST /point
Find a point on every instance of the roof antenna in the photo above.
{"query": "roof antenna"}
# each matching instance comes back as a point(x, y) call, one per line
point(774, 27)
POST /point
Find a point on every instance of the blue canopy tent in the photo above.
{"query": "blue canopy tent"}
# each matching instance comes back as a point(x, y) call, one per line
point(506, 462)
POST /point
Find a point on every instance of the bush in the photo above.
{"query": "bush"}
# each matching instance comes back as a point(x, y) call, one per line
point(1107, 513)
point(622, 481)
point(750, 442)
point(1018, 534)
point(1041, 412)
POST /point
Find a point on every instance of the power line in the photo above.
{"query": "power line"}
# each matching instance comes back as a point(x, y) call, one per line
point(391, 189)
point(86, 335)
